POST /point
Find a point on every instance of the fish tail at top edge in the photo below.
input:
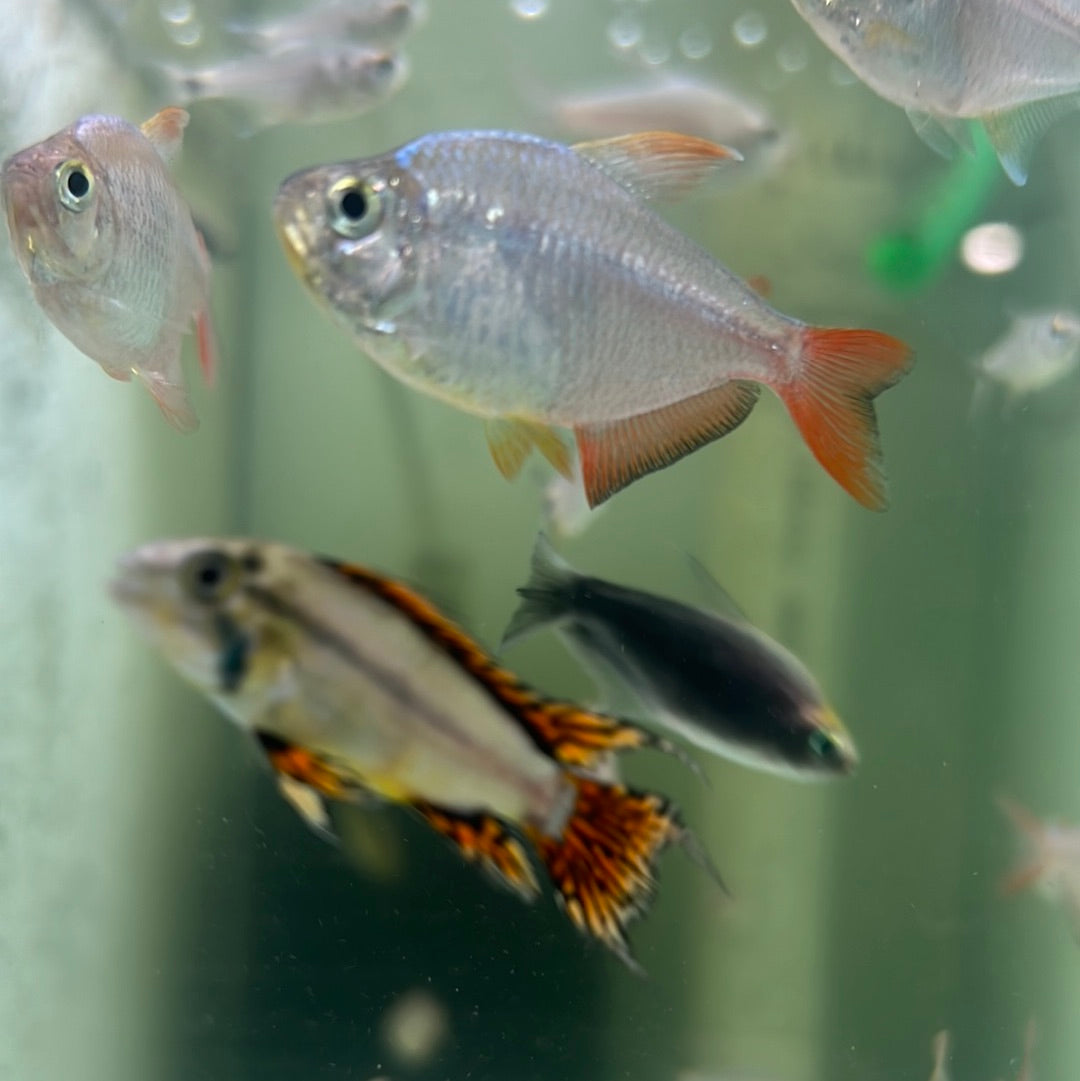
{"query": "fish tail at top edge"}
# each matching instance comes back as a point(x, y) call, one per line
point(545, 596)
point(831, 402)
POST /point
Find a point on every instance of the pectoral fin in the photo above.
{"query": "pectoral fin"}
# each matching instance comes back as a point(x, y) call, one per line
point(658, 164)
point(511, 439)
point(309, 805)
point(165, 130)
point(484, 840)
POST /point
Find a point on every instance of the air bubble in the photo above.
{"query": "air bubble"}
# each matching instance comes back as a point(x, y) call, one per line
point(792, 57)
point(655, 52)
point(750, 29)
point(695, 43)
point(176, 12)
point(995, 247)
point(187, 34)
point(624, 32)
point(529, 9)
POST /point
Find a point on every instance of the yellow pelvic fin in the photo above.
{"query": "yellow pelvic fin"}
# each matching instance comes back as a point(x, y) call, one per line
point(510, 440)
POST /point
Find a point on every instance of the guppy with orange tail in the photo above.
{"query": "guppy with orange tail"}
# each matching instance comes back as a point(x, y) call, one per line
point(355, 686)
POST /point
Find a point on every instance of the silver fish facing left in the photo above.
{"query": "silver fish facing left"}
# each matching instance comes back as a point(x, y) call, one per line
point(529, 283)
point(109, 248)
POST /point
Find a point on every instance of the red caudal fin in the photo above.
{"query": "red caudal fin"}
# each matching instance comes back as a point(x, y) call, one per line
point(602, 862)
point(831, 401)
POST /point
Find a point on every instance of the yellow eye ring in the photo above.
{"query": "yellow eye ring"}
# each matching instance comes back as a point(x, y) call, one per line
point(210, 576)
point(75, 185)
point(355, 207)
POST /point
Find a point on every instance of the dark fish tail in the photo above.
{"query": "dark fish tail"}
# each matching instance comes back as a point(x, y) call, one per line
point(546, 597)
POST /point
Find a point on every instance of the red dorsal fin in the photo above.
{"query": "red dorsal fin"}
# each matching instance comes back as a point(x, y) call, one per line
point(571, 735)
point(658, 164)
point(615, 454)
point(483, 839)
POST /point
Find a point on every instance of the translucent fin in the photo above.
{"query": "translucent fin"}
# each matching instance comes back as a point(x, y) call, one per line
point(546, 594)
point(172, 399)
point(510, 441)
point(309, 805)
point(831, 401)
point(205, 338)
point(658, 164)
point(714, 594)
point(1033, 832)
point(484, 840)
point(301, 765)
point(940, 1051)
point(602, 863)
point(1014, 133)
point(942, 134)
point(165, 130)
point(615, 454)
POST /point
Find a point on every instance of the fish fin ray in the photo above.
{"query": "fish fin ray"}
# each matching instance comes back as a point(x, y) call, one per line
point(510, 440)
point(616, 453)
point(1033, 833)
point(658, 164)
point(165, 130)
point(172, 399)
point(484, 840)
point(571, 735)
point(309, 805)
point(715, 595)
point(942, 134)
point(205, 338)
point(831, 402)
point(1015, 132)
point(602, 863)
point(544, 595)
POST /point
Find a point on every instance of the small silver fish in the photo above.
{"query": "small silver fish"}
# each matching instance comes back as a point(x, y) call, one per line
point(1014, 65)
point(670, 101)
point(528, 282)
point(355, 688)
point(1038, 351)
point(366, 22)
point(713, 679)
point(111, 253)
point(310, 84)
point(1053, 864)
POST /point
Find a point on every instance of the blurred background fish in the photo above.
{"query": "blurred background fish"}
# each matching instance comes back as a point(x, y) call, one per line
point(366, 22)
point(528, 282)
point(1052, 864)
point(110, 250)
point(1013, 65)
point(310, 84)
point(1038, 351)
point(672, 101)
point(712, 679)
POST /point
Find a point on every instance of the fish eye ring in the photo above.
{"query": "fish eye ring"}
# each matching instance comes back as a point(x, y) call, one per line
point(821, 746)
point(355, 207)
point(75, 184)
point(209, 576)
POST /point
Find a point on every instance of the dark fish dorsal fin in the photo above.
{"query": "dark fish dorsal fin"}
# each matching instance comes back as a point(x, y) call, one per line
point(715, 595)
point(483, 839)
point(658, 164)
point(571, 735)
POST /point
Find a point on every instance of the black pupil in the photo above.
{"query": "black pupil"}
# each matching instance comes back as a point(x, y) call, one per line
point(353, 205)
point(210, 575)
point(78, 184)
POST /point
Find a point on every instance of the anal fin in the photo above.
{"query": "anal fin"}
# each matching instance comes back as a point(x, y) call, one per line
point(484, 840)
point(1015, 132)
point(510, 439)
point(616, 453)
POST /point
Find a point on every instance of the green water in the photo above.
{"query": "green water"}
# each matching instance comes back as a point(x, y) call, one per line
point(166, 915)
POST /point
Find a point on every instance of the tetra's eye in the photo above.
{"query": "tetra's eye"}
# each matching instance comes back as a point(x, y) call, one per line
point(75, 185)
point(209, 576)
point(355, 208)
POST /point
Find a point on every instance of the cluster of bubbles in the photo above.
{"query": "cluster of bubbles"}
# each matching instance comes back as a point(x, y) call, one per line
point(181, 22)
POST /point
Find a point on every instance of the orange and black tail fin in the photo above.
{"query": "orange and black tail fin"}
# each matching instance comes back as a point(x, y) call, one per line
point(831, 401)
point(483, 839)
point(602, 863)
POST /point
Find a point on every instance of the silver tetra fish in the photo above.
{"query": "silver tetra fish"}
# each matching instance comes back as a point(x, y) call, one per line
point(309, 84)
point(355, 687)
point(712, 679)
point(110, 250)
point(366, 22)
point(529, 283)
point(1014, 65)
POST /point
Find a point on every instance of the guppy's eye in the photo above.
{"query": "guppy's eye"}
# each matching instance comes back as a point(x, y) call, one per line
point(355, 208)
point(209, 576)
point(821, 746)
point(75, 185)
